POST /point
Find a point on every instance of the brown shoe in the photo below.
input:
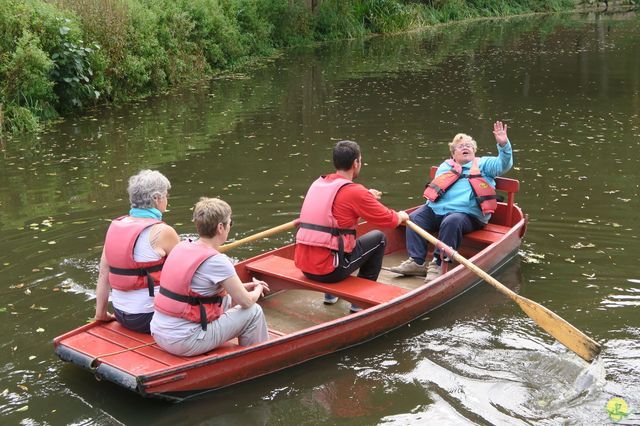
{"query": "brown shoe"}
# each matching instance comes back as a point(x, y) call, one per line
point(409, 267)
point(433, 271)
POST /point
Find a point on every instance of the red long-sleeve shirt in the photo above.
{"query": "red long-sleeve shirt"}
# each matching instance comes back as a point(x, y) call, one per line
point(352, 202)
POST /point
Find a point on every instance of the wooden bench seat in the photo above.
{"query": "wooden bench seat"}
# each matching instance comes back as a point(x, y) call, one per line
point(491, 233)
point(362, 292)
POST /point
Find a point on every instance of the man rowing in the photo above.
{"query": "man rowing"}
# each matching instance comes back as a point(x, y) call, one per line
point(327, 249)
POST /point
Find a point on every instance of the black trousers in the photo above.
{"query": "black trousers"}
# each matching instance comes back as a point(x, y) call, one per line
point(367, 256)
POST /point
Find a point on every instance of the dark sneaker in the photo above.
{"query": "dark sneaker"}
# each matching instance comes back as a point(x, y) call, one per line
point(353, 309)
point(330, 299)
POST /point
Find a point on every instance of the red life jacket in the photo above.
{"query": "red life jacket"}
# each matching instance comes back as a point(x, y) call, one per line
point(125, 273)
point(485, 194)
point(317, 226)
point(176, 298)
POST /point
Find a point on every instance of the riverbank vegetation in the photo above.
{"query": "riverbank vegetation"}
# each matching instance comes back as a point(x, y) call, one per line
point(60, 56)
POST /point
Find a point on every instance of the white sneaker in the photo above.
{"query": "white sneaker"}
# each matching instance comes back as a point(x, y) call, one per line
point(433, 271)
point(409, 267)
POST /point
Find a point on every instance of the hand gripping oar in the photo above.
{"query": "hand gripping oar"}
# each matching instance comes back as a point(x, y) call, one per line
point(564, 332)
point(259, 235)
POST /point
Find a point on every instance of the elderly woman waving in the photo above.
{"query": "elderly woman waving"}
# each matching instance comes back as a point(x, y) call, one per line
point(135, 249)
point(461, 199)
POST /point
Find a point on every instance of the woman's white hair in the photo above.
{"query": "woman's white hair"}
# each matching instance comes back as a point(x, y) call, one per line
point(146, 187)
point(460, 138)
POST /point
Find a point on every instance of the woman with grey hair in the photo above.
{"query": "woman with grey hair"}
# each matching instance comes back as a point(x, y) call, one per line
point(202, 302)
point(135, 249)
point(460, 199)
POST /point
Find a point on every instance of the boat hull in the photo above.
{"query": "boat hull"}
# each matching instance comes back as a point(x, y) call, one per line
point(176, 378)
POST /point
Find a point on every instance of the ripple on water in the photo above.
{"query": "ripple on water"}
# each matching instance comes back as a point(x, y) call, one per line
point(499, 373)
point(628, 297)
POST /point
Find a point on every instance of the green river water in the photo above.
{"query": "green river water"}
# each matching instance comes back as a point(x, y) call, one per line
point(569, 88)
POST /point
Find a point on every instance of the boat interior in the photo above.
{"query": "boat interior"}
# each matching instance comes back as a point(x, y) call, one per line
point(295, 303)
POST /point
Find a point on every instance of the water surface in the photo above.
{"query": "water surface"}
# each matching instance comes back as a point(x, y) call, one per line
point(569, 89)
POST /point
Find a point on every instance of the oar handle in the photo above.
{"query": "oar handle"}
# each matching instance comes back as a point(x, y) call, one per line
point(259, 235)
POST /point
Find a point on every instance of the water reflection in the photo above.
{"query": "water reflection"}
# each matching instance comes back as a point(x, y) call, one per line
point(569, 89)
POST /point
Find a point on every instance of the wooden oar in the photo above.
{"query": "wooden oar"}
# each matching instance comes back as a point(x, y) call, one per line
point(552, 323)
point(259, 235)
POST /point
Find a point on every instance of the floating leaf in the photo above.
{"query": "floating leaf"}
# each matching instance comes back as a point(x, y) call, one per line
point(38, 308)
point(578, 246)
point(23, 387)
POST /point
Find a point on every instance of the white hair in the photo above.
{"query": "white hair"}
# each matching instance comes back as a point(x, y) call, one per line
point(146, 187)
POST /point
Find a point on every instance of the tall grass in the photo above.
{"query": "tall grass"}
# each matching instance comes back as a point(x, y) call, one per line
point(58, 56)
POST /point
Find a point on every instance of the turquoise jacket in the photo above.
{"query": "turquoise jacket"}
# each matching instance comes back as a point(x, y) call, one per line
point(460, 197)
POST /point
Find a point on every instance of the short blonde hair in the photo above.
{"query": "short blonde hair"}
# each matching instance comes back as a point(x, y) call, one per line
point(460, 138)
point(208, 213)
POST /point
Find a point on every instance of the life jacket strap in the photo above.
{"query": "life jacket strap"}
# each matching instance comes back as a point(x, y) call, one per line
point(438, 190)
point(139, 272)
point(336, 232)
point(193, 301)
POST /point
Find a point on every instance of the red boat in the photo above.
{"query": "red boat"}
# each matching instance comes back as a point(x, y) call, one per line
point(301, 327)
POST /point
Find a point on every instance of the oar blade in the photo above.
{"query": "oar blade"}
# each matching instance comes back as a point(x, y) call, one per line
point(564, 332)
point(552, 323)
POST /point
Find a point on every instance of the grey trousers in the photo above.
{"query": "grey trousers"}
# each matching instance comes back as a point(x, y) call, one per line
point(248, 325)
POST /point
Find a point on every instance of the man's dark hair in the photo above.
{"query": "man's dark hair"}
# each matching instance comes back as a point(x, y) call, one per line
point(344, 154)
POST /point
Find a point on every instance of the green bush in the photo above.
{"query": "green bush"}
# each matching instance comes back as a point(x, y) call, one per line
point(339, 19)
point(45, 67)
point(25, 78)
point(289, 24)
point(60, 55)
point(384, 16)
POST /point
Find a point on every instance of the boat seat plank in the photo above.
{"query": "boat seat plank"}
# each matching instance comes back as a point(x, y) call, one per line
point(94, 346)
point(489, 234)
point(127, 341)
point(354, 289)
point(106, 339)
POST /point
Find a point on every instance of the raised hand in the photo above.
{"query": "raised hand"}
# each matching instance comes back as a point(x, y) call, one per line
point(500, 133)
